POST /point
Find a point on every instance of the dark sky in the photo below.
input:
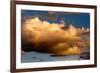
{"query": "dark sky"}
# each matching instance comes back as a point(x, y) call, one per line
point(77, 19)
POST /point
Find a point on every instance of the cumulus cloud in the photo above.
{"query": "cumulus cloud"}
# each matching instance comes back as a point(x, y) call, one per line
point(52, 38)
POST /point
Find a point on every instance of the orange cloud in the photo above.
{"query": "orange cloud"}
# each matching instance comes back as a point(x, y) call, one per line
point(51, 38)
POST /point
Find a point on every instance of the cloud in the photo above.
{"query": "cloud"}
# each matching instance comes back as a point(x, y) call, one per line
point(51, 38)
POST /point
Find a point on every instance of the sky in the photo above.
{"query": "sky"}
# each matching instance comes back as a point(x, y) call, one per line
point(67, 18)
point(76, 19)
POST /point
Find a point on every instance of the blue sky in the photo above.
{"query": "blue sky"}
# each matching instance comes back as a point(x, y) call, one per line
point(77, 19)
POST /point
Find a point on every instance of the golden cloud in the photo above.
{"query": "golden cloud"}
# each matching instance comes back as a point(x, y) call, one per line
point(52, 38)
